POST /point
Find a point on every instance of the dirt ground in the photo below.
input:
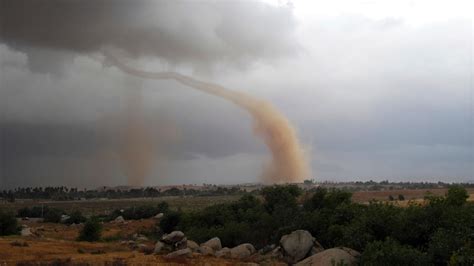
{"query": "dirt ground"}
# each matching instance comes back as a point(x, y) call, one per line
point(54, 244)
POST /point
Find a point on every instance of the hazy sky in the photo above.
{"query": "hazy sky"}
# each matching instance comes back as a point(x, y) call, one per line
point(376, 89)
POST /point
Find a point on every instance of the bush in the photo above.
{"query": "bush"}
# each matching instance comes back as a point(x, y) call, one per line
point(280, 196)
point(53, 215)
point(169, 222)
point(8, 224)
point(456, 196)
point(401, 197)
point(141, 212)
point(390, 252)
point(91, 231)
point(76, 217)
point(34, 212)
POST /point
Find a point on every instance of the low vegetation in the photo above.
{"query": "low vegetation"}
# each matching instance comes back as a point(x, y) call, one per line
point(440, 231)
point(8, 224)
point(91, 231)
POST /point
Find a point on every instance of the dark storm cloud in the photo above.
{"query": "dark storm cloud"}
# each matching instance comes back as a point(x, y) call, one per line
point(181, 32)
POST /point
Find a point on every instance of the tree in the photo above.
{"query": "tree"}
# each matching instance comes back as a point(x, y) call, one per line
point(390, 252)
point(8, 224)
point(91, 231)
point(280, 195)
point(456, 196)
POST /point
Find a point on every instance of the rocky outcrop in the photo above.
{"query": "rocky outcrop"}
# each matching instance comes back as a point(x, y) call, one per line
point(119, 219)
point(223, 253)
point(186, 252)
point(296, 246)
point(332, 256)
point(192, 245)
point(173, 237)
point(206, 250)
point(214, 243)
point(242, 251)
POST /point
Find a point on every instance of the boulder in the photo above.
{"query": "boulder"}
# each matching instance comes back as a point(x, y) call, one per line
point(26, 231)
point(159, 247)
point(242, 251)
point(159, 216)
point(183, 243)
point(145, 249)
point(214, 243)
point(223, 253)
point(296, 246)
point(64, 218)
point(192, 245)
point(332, 256)
point(179, 253)
point(119, 219)
point(173, 237)
point(206, 250)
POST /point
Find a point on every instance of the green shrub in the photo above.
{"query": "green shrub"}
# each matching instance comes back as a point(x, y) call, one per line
point(76, 217)
point(140, 212)
point(392, 253)
point(169, 222)
point(91, 231)
point(8, 224)
point(456, 196)
point(280, 195)
point(53, 215)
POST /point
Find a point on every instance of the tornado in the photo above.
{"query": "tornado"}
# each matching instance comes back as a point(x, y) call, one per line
point(288, 161)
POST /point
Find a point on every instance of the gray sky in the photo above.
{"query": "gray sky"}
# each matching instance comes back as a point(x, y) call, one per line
point(376, 89)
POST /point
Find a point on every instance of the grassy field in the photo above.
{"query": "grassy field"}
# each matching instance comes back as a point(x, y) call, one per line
point(105, 206)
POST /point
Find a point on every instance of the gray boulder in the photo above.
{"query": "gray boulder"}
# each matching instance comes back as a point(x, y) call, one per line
point(119, 219)
point(173, 237)
point(192, 245)
point(64, 218)
point(223, 253)
point(242, 251)
point(206, 250)
point(159, 247)
point(332, 256)
point(180, 253)
point(214, 243)
point(26, 231)
point(159, 215)
point(296, 246)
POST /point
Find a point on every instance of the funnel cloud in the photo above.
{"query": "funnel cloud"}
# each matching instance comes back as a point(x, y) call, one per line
point(288, 160)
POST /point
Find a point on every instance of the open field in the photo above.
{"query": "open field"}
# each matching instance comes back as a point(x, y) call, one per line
point(105, 206)
point(55, 244)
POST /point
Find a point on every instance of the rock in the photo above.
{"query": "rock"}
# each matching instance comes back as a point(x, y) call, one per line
point(242, 251)
point(181, 244)
point(64, 218)
point(214, 243)
point(141, 238)
point(173, 237)
point(332, 256)
point(26, 232)
point(119, 219)
point(180, 253)
point(159, 247)
point(192, 245)
point(267, 249)
point(223, 253)
point(296, 246)
point(206, 250)
point(159, 215)
point(145, 248)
